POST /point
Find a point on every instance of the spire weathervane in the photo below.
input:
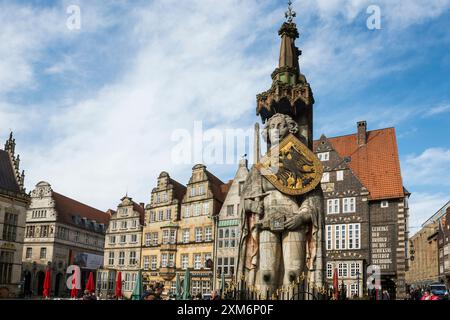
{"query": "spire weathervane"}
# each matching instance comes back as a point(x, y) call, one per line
point(290, 13)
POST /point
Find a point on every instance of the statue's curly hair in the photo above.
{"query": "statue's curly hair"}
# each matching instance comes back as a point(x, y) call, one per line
point(293, 126)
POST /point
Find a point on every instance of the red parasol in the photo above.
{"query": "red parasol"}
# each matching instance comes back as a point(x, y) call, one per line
point(74, 291)
point(47, 283)
point(119, 285)
point(90, 283)
point(336, 284)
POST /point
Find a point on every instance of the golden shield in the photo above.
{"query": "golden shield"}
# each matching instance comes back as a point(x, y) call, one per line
point(291, 167)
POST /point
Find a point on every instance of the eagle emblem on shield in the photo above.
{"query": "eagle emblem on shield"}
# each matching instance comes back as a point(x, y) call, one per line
point(291, 167)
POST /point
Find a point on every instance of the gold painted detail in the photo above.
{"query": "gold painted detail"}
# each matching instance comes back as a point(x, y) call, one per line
point(291, 167)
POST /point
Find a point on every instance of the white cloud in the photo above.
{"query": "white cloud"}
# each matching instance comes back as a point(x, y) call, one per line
point(428, 168)
point(422, 206)
point(438, 110)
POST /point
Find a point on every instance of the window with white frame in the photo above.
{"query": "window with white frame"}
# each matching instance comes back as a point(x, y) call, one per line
point(329, 270)
point(148, 239)
point(184, 261)
point(121, 258)
point(114, 225)
point(193, 191)
point(171, 260)
point(206, 286)
point(354, 290)
point(173, 236)
point(123, 239)
point(133, 260)
point(208, 233)
point(348, 205)
point(343, 237)
point(196, 210)
point(168, 214)
point(206, 208)
point(155, 239)
point(342, 269)
point(186, 236)
point(206, 258)
point(198, 234)
point(337, 237)
point(165, 239)
point(385, 204)
point(354, 269)
point(146, 262)
point(340, 175)
point(201, 189)
point(197, 261)
point(111, 258)
point(127, 280)
point(164, 260)
point(325, 177)
point(195, 287)
point(152, 216)
point(123, 225)
point(324, 156)
point(135, 224)
point(329, 238)
point(134, 238)
point(160, 215)
point(112, 239)
point(154, 262)
point(187, 213)
point(333, 206)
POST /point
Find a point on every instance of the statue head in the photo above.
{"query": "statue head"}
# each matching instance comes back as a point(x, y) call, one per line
point(278, 127)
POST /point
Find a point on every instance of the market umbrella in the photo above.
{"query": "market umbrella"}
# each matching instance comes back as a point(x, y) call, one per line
point(222, 285)
point(336, 284)
point(119, 285)
point(186, 286)
point(178, 288)
point(74, 291)
point(138, 289)
point(47, 283)
point(90, 283)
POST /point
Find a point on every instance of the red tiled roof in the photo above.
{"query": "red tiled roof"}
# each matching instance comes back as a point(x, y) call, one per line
point(225, 188)
point(376, 164)
point(179, 190)
point(137, 207)
point(67, 208)
point(216, 186)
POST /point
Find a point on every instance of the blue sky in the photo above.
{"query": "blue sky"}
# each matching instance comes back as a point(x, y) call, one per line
point(93, 109)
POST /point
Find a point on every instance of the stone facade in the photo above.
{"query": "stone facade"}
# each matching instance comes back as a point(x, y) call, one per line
point(60, 232)
point(201, 204)
point(13, 206)
point(424, 264)
point(228, 229)
point(123, 247)
point(161, 232)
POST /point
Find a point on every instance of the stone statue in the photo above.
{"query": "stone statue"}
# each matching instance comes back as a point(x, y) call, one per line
point(282, 235)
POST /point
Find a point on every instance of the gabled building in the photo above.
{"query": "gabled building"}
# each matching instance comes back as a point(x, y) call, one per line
point(443, 235)
point(13, 206)
point(159, 238)
point(123, 248)
point(228, 229)
point(200, 207)
point(60, 232)
point(366, 208)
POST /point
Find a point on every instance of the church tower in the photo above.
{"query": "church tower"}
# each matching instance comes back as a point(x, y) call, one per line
point(290, 92)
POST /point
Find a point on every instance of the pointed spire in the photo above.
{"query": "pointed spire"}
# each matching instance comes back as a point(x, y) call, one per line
point(290, 14)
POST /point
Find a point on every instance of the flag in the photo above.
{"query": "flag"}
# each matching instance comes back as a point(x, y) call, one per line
point(90, 283)
point(47, 284)
point(119, 285)
point(138, 289)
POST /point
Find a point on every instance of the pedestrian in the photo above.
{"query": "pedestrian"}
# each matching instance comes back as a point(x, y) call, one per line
point(385, 295)
point(215, 295)
point(426, 295)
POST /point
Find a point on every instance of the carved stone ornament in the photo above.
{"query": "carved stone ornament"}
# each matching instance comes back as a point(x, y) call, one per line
point(295, 170)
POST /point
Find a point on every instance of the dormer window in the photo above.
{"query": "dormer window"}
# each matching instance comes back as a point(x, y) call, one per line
point(325, 177)
point(385, 204)
point(193, 191)
point(324, 156)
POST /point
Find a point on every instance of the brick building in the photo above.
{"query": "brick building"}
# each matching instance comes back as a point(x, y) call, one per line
point(444, 243)
point(366, 208)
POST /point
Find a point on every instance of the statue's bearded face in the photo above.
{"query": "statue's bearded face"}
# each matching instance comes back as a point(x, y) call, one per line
point(278, 129)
